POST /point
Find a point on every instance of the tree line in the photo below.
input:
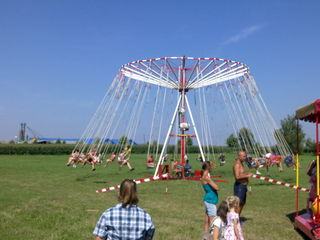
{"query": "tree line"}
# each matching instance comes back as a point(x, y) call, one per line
point(288, 128)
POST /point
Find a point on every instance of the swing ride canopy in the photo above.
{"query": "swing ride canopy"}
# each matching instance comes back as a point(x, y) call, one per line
point(222, 95)
point(310, 112)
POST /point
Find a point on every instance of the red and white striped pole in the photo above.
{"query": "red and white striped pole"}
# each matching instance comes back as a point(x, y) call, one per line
point(281, 183)
point(137, 181)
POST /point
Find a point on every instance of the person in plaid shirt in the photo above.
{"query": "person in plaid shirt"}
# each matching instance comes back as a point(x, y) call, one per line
point(125, 221)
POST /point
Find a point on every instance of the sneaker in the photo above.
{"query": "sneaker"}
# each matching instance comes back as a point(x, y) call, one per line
point(131, 169)
point(93, 169)
point(257, 172)
point(261, 166)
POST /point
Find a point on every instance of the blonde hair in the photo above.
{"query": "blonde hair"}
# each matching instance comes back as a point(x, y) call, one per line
point(128, 193)
point(233, 202)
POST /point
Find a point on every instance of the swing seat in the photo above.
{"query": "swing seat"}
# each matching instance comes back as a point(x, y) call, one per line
point(289, 161)
point(150, 165)
point(249, 162)
point(197, 173)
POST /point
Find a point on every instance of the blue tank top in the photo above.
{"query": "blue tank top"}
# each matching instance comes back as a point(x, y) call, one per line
point(211, 195)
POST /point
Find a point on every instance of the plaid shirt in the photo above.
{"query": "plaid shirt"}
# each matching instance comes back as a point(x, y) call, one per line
point(130, 223)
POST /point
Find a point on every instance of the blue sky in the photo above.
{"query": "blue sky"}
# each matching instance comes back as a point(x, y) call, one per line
point(57, 58)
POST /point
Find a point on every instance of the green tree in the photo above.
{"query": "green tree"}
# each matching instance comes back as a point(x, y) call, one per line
point(246, 139)
point(58, 141)
point(123, 140)
point(232, 141)
point(310, 145)
point(96, 140)
point(189, 141)
point(289, 131)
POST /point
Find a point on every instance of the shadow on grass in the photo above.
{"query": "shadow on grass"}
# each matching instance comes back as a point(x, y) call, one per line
point(100, 182)
point(84, 178)
point(244, 219)
point(291, 217)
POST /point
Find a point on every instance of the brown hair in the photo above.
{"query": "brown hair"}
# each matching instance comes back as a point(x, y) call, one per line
point(206, 165)
point(222, 211)
point(128, 193)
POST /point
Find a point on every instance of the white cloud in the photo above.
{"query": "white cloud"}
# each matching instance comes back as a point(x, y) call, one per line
point(243, 34)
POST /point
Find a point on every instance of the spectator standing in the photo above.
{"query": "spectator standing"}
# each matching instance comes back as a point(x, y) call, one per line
point(210, 198)
point(125, 220)
point(241, 179)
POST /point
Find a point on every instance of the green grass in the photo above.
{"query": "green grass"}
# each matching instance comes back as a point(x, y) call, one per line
point(41, 198)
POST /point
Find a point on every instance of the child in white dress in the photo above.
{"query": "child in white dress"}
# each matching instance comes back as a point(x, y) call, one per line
point(233, 229)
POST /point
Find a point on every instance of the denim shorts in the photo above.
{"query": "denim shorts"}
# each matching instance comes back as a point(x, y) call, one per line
point(240, 190)
point(210, 209)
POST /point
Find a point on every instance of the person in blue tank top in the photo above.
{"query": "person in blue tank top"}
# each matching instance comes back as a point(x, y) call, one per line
point(210, 198)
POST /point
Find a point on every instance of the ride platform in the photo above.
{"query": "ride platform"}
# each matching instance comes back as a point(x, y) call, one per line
point(305, 224)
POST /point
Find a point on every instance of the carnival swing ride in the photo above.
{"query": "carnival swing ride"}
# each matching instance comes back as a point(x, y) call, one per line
point(198, 98)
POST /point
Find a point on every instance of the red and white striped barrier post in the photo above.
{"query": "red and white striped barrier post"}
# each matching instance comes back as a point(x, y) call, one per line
point(137, 181)
point(281, 183)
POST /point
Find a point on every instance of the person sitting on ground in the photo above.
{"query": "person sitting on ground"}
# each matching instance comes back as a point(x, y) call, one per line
point(125, 220)
point(150, 162)
point(110, 159)
point(188, 169)
point(222, 159)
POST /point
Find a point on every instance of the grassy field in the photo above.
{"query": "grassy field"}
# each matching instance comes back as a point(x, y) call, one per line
point(41, 198)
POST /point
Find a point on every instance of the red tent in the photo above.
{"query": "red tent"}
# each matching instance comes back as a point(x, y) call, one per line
point(310, 224)
point(310, 112)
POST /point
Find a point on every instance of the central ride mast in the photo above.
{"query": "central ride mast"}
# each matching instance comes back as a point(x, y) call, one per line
point(182, 124)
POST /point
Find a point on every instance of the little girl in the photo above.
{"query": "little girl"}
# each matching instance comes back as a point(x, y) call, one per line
point(233, 229)
point(219, 223)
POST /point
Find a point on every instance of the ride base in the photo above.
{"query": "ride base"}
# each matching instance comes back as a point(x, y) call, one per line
point(305, 224)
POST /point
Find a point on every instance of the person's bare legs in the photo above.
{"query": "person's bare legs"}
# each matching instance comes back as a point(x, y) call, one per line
point(280, 166)
point(107, 162)
point(207, 221)
point(84, 163)
point(92, 166)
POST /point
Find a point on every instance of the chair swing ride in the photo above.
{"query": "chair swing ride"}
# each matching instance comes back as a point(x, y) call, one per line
point(147, 95)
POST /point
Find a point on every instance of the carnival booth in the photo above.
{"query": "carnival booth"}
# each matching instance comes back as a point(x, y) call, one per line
point(309, 222)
